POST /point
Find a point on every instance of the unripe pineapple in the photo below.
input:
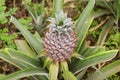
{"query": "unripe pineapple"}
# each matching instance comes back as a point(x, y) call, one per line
point(60, 38)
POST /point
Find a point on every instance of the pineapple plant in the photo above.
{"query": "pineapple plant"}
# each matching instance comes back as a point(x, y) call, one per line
point(51, 57)
point(60, 38)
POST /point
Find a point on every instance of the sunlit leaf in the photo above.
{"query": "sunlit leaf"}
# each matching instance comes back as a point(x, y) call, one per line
point(67, 75)
point(28, 36)
point(53, 71)
point(83, 31)
point(23, 46)
point(107, 71)
point(105, 32)
point(84, 15)
point(94, 59)
point(25, 73)
point(1, 76)
point(57, 6)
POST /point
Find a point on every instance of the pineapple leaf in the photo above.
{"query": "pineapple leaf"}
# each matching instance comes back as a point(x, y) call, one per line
point(57, 6)
point(23, 46)
point(39, 9)
point(1, 76)
point(17, 55)
point(28, 36)
point(93, 50)
point(65, 70)
point(108, 70)
point(53, 71)
point(31, 11)
point(47, 62)
point(25, 73)
point(81, 74)
point(5, 56)
point(84, 15)
point(99, 13)
point(83, 32)
point(76, 55)
point(67, 75)
point(37, 36)
point(105, 32)
point(94, 59)
point(70, 76)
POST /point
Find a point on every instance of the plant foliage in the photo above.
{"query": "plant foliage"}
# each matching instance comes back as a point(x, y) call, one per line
point(28, 57)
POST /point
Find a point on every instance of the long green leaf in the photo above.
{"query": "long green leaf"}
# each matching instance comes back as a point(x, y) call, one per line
point(117, 2)
point(81, 74)
point(83, 32)
point(18, 59)
point(108, 6)
point(65, 70)
point(31, 12)
point(25, 73)
point(17, 55)
point(93, 50)
point(24, 47)
point(28, 36)
point(105, 32)
point(53, 71)
point(94, 59)
point(67, 75)
point(107, 71)
point(71, 76)
point(83, 48)
point(84, 15)
point(35, 12)
point(5, 56)
point(1, 76)
point(57, 6)
point(99, 13)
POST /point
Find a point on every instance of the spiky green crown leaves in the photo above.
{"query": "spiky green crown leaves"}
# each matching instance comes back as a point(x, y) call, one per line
point(61, 24)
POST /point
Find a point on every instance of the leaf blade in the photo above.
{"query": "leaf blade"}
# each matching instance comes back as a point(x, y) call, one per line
point(94, 59)
point(23, 46)
point(28, 36)
point(57, 6)
point(53, 71)
point(108, 70)
point(84, 15)
point(25, 73)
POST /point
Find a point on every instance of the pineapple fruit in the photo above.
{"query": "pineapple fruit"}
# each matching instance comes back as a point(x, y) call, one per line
point(60, 38)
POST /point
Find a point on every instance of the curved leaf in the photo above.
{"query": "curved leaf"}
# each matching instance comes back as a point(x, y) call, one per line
point(84, 15)
point(57, 6)
point(18, 59)
point(94, 59)
point(25, 73)
point(28, 36)
point(67, 75)
point(83, 31)
point(21, 56)
point(107, 27)
point(93, 50)
point(4, 55)
point(24, 47)
point(53, 71)
point(107, 71)
point(1, 76)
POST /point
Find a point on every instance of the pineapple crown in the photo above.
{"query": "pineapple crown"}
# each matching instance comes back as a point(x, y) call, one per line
point(61, 24)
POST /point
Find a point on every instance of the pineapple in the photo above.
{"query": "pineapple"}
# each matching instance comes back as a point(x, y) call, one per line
point(60, 38)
